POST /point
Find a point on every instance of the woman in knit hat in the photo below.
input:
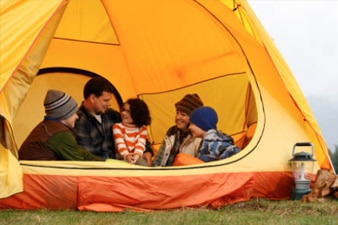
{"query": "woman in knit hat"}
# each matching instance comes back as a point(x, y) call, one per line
point(178, 138)
point(52, 139)
point(215, 144)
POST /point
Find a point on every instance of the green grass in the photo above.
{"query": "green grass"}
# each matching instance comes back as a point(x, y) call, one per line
point(252, 212)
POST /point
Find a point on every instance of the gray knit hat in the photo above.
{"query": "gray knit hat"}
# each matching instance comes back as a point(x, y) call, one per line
point(59, 105)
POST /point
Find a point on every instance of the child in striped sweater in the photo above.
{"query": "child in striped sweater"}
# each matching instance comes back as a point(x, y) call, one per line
point(131, 134)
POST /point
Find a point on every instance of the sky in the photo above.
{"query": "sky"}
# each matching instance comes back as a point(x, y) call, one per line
point(306, 34)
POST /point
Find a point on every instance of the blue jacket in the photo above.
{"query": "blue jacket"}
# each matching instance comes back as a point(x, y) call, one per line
point(217, 145)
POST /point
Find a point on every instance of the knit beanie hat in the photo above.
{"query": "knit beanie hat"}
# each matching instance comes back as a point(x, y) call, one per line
point(188, 103)
point(204, 117)
point(59, 105)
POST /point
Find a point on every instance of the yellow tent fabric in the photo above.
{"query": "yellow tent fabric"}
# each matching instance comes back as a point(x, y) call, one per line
point(158, 51)
point(10, 173)
point(20, 58)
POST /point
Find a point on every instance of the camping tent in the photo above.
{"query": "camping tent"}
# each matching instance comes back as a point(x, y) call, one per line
point(157, 51)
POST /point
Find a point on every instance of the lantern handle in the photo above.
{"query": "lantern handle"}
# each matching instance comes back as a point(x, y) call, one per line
point(302, 144)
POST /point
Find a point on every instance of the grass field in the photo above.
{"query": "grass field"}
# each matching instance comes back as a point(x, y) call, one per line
point(252, 212)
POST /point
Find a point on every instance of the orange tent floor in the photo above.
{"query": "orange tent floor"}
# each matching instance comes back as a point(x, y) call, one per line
point(116, 194)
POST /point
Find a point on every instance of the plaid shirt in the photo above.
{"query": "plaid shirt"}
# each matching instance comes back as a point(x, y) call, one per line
point(95, 136)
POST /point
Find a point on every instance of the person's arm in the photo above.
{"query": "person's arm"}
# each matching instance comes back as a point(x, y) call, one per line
point(82, 134)
point(148, 153)
point(149, 150)
point(119, 141)
point(163, 153)
point(64, 145)
point(141, 142)
point(207, 151)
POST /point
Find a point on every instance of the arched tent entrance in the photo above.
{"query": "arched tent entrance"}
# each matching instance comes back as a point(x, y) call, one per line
point(235, 116)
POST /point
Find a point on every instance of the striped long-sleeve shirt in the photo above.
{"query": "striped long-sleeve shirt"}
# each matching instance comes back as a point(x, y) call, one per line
point(129, 139)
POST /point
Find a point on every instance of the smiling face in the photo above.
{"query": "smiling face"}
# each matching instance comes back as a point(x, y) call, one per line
point(126, 115)
point(182, 120)
point(101, 103)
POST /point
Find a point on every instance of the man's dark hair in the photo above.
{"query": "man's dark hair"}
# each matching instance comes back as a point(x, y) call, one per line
point(96, 86)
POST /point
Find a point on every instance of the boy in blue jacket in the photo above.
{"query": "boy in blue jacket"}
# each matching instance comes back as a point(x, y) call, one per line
point(215, 144)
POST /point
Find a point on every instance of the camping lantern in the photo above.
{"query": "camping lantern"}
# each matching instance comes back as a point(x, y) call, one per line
point(302, 165)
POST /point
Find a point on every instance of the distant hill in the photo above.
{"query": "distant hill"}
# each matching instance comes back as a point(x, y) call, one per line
point(326, 113)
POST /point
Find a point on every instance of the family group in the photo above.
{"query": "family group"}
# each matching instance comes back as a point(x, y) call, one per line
point(96, 132)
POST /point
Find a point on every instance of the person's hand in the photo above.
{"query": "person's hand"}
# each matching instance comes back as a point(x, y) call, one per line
point(134, 158)
point(148, 157)
point(128, 157)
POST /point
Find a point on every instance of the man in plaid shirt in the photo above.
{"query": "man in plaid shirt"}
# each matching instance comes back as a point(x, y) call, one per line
point(93, 129)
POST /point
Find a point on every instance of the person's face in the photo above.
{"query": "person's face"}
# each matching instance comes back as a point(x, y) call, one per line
point(196, 131)
point(125, 115)
point(101, 103)
point(70, 122)
point(182, 120)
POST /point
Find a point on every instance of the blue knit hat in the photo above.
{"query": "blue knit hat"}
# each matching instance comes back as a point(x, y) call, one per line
point(204, 117)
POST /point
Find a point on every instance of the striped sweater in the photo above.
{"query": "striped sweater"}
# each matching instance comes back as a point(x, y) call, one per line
point(129, 139)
